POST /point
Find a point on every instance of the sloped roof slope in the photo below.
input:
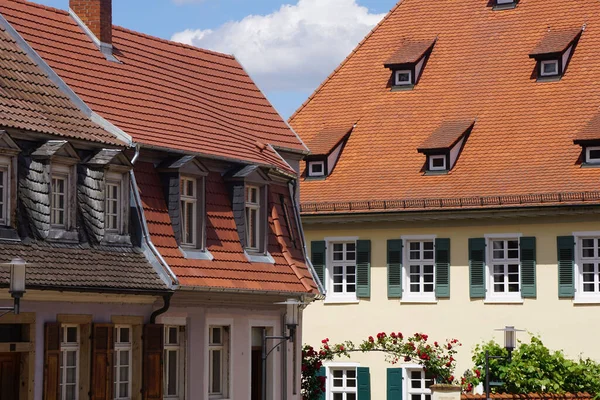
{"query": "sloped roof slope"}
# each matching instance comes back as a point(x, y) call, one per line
point(230, 269)
point(30, 101)
point(162, 93)
point(479, 68)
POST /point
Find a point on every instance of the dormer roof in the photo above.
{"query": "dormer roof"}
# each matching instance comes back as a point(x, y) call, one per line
point(590, 133)
point(410, 52)
point(324, 142)
point(446, 135)
point(555, 41)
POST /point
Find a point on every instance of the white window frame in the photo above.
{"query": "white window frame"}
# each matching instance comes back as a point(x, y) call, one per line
point(408, 390)
point(344, 297)
point(121, 347)
point(580, 295)
point(407, 296)
point(60, 172)
point(500, 2)
point(397, 74)
point(438, 157)
point(179, 348)
point(312, 164)
point(253, 207)
point(588, 151)
point(330, 390)
point(5, 168)
point(506, 297)
point(66, 347)
point(186, 199)
point(114, 180)
point(223, 347)
point(548, 62)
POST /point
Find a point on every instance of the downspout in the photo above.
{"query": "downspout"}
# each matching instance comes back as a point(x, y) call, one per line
point(163, 309)
point(293, 190)
point(284, 361)
point(144, 224)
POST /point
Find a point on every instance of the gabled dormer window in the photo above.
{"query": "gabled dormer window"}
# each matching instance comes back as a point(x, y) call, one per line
point(8, 181)
point(553, 53)
point(407, 63)
point(253, 218)
point(442, 148)
point(325, 150)
point(59, 196)
point(189, 210)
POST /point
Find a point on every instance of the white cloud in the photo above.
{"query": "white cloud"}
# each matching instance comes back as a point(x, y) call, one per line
point(293, 48)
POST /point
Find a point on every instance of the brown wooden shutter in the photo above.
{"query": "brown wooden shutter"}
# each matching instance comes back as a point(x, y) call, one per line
point(102, 362)
point(52, 340)
point(152, 385)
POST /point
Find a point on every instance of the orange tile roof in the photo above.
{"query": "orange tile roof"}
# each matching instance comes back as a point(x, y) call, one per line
point(447, 135)
point(556, 41)
point(162, 93)
point(409, 52)
point(591, 132)
point(230, 268)
point(522, 144)
point(327, 139)
point(29, 100)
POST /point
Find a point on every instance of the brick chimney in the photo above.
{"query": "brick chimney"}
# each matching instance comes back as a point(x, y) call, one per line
point(96, 15)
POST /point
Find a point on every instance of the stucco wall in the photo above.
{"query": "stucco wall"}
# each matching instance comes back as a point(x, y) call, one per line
point(561, 323)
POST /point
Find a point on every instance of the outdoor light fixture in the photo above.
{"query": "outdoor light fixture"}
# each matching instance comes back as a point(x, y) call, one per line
point(292, 316)
point(17, 283)
point(510, 343)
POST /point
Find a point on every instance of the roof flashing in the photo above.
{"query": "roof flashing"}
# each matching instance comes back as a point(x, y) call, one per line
point(105, 48)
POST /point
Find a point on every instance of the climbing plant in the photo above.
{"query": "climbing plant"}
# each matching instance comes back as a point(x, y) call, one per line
point(435, 358)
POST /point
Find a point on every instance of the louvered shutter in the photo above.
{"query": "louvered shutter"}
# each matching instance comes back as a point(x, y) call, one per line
point(102, 362)
point(322, 373)
point(394, 268)
point(363, 377)
point(363, 269)
point(528, 267)
point(442, 268)
point(566, 266)
point(477, 268)
point(52, 340)
point(394, 384)
point(152, 385)
point(317, 257)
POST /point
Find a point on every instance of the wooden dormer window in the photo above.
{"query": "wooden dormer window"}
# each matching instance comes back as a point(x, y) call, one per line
point(553, 53)
point(408, 62)
point(325, 151)
point(442, 148)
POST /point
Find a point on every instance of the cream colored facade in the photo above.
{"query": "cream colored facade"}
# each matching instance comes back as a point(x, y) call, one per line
point(561, 323)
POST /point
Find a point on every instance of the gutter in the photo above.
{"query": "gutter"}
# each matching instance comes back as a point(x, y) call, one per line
point(311, 268)
point(163, 309)
point(144, 223)
point(238, 291)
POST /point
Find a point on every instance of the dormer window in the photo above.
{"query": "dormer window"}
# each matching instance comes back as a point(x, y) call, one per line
point(442, 148)
point(589, 140)
point(504, 4)
point(592, 155)
point(59, 189)
point(316, 168)
point(407, 63)
point(189, 213)
point(553, 53)
point(114, 205)
point(325, 150)
point(8, 182)
point(253, 224)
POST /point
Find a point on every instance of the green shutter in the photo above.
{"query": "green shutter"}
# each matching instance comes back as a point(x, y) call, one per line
point(442, 268)
point(394, 268)
point(363, 269)
point(566, 266)
point(322, 372)
point(394, 384)
point(317, 257)
point(528, 266)
point(477, 268)
point(364, 383)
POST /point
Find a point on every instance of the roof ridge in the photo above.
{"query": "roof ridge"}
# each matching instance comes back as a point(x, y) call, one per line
point(174, 43)
point(339, 67)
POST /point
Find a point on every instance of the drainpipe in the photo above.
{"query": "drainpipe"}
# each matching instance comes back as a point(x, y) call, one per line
point(144, 224)
point(164, 309)
point(284, 361)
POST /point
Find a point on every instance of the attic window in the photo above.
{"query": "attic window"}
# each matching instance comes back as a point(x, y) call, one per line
point(553, 53)
point(326, 148)
point(504, 4)
point(316, 168)
point(442, 148)
point(589, 140)
point(592, 155)
point(407, 63)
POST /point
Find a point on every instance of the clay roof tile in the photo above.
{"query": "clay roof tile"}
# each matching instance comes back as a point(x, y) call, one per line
point(327, 139)
point(555, 41)
point(446, 136)
point(410, 52)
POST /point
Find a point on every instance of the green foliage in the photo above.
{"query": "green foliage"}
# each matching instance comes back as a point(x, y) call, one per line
point(534, 368)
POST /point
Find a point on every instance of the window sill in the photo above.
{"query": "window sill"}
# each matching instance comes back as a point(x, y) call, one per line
point(61, 235)
point(418, 301)
point(196, 254)
point(590, 300)
point(338, 300)
point(402, 88)
point(9, 233)
point(553, 78)
point(503, 301)
point(259, 258)
point(113, 239)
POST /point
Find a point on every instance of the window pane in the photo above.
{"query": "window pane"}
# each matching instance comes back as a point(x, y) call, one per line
point(173, 335)
point(216, 336)
point(216, 371)
point(338, 396)
point(124, 335)
point(124, 374)
point(351, 396)
point(124, 357)
point(124, 390)
point(172, 373)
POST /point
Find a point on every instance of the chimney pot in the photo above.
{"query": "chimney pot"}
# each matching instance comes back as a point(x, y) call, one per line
point(96, 15)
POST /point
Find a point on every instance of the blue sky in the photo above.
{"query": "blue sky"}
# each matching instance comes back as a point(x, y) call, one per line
point(287, 46)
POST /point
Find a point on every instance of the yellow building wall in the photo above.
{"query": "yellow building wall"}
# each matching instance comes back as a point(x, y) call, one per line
point(561, 323)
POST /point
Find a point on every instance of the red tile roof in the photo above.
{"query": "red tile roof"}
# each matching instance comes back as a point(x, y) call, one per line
point(447, 135)
point(230, 268)
point(591, 132)
point(522, 144)
point(30, 101)
point(162, 93)
point(409, 52)
point(555, 41)
point(327, 139)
